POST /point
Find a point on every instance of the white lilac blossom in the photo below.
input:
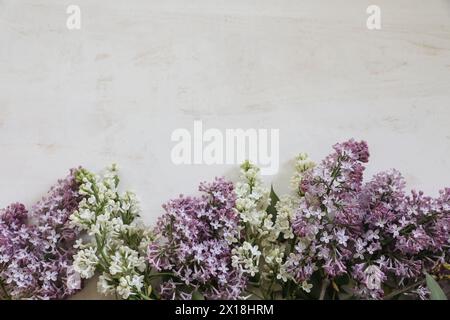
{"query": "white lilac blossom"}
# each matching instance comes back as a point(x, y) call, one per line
point(116, 238)
point(286, 207)
point(255, 223)
point(374, 277)
point(267, 235)
point(86, 262)
point(36, 248)
point(246, 257)
point(259, 254)
point(283, 227)
point(302, 165)
point(252, 201)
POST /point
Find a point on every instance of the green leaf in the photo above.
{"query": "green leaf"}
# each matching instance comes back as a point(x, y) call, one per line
point(273, 202)
point(436, 292)
point(197, 296)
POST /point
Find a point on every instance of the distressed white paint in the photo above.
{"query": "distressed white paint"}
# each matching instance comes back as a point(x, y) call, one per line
point(138, 69)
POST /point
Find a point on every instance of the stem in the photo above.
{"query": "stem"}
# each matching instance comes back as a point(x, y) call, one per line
point(8, 297)
point(256, 295)
point(323, 288)
point(160, 274)
point(286, 293)
point(335, 174)
point(269, 290)
point(144, 296)
point(395, 293)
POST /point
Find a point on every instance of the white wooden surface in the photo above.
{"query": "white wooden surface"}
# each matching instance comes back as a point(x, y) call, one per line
point(138, 69)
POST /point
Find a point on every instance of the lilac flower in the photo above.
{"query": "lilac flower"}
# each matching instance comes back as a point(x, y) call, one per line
point(406, 235)
point(330, 216)
point(373, 233)
point(36, 258)
point(195, 245)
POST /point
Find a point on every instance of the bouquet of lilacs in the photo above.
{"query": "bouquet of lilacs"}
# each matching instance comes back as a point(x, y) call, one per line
point(370, 241)
point(36, 248)
point(333, 237)
point(115, 240)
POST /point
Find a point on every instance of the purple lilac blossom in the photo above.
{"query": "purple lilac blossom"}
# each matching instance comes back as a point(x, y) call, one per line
point(373, 232)
point(36, 249)
point(412, 233)
point(195, 244)
point(329, 215)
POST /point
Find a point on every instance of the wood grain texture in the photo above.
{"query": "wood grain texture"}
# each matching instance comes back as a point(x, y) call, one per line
point(138, 69)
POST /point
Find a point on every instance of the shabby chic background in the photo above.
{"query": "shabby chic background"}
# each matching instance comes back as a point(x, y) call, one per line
point(114, 90)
